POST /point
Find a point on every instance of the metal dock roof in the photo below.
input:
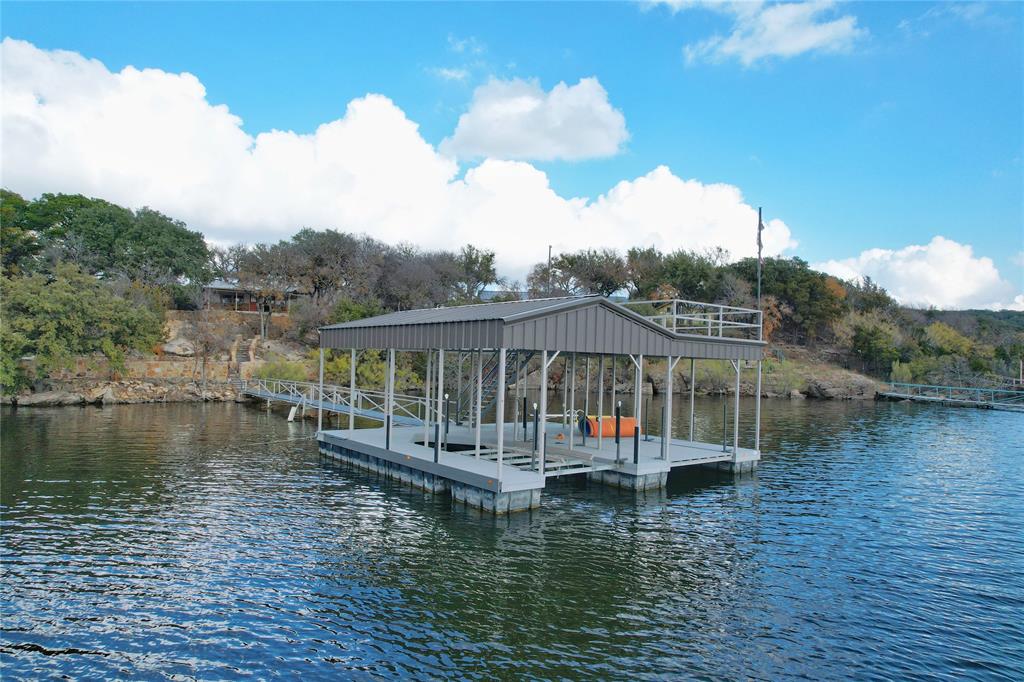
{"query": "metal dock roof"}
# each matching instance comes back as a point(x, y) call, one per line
point(589, 324)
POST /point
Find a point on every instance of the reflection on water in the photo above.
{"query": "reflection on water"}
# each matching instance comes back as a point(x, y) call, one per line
point(212, 541)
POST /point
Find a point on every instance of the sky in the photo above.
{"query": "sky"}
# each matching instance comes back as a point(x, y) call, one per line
point(881, 139)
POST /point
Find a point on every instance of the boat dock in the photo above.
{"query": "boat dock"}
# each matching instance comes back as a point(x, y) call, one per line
point(458, 437)
point(1010, 397)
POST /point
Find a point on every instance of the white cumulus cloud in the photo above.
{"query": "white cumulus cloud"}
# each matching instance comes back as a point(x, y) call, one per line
point(148, 137)
point(517, 119)
point(942, 273)
point(780, 30)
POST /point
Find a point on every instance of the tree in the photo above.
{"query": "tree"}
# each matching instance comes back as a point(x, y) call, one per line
point(69, 314)
point(19, 244)
point(643, 271)
point(474, 271)
point(592, 271)
point(264, 271)
point(875, 345)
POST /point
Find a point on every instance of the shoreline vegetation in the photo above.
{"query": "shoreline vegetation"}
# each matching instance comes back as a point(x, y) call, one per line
point(104, 305)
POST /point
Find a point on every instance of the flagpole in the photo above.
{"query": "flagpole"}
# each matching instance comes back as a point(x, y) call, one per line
point(760, 227)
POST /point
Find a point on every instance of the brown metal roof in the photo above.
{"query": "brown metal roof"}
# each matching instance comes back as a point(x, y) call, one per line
point(589, 324)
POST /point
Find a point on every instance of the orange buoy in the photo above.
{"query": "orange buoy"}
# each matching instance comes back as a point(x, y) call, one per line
point(608, 426)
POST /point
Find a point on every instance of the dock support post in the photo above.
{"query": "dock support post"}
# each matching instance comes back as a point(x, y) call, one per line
point(586, 404)
point(638, 378)
point(666, 420)
point(736, 415)
point(693, 391)
point(458, 391)
point(636, 445)
point(600, 401)
point(543, 410)
point(428, 382)
point(479, 400)
point(352, 393)
point(572, 403)
point(389, 399)
point(757, 412)
point(320, 412)
point(440, 391)
point(618, 432)
point(500, 408)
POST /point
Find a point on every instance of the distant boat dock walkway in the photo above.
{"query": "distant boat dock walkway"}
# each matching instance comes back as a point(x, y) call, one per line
point(1009, 397)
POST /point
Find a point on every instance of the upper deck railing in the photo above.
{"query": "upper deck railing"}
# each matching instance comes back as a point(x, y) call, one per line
point(704, 319)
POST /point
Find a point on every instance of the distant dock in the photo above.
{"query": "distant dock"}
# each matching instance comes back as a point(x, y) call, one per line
point(1004, 398)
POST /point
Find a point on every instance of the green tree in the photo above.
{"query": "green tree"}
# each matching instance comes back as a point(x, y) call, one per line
point(71, 313)
point(19, 243)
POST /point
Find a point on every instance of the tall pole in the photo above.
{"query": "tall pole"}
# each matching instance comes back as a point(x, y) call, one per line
point(760, 228)
point(600, 401)
point(549, 269)
point(428, 383)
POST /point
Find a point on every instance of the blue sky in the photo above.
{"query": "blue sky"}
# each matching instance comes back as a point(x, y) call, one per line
point(903, 126)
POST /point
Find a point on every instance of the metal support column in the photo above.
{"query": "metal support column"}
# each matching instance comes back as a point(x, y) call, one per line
point(586, 402)
point(440, 393)
point(499, 403)
point(572, 402)
point(757, 412)
point(542, 424)
point(736, 415)
point(389, 399)
point(600, 401)
point(666, 429)
point(693, 391)
point(320, 412)
point(352, 393)
point(428, 382)
point(479, 400)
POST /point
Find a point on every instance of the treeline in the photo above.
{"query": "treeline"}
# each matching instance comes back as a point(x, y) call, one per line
point(131, 265)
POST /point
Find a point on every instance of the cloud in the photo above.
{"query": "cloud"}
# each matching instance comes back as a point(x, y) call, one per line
point(148, 137)
point(776, 30)
point(451, 73)
point(470, 45)
point(942, 273)
point(516, 119)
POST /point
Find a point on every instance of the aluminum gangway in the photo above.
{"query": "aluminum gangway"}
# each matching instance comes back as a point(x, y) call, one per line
point(1006, 398)
point(409, 410)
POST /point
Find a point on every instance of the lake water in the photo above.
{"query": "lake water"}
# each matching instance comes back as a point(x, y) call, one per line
point(876, 541)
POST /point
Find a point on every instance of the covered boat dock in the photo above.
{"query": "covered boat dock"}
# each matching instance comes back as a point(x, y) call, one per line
point(501, 465)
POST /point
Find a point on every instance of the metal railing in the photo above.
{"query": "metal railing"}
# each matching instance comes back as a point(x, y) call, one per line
point(336, 398)
point(998, 397)
point(704, 319)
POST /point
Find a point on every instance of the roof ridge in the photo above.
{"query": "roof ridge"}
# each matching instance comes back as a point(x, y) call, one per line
point(523, 300)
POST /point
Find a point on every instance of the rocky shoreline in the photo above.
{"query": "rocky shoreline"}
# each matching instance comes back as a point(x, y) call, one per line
point(122, 393)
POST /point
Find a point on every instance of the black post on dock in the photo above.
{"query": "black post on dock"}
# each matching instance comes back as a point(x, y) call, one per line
point(535, 424)
point(447, 416)
point(647, 418)
point(583, 423)
point(437, 442)
point(618, 430)
point(725, 423)
point(387, 433)
point(664, 431)
point(636, 445)
point(526, 417)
